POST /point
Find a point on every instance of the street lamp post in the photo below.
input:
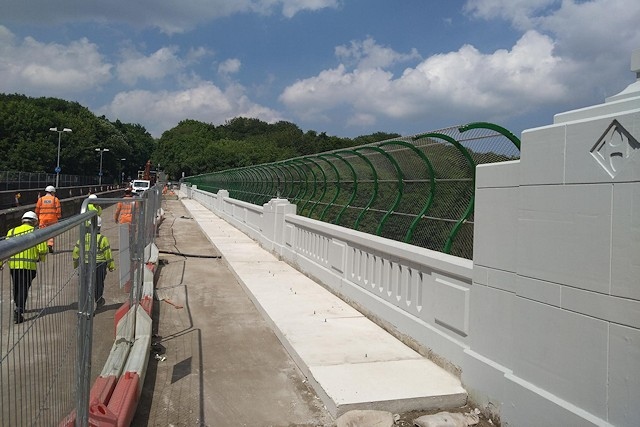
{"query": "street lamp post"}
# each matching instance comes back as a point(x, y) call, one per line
point(122, 171)
point(101, 150)
point(58, 163)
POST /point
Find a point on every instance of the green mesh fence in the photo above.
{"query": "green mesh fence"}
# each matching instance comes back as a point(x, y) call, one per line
point(417, 189)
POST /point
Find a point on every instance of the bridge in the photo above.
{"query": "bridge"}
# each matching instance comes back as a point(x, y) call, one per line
point(539, 326)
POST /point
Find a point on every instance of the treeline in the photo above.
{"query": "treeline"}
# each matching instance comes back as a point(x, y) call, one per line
point(192, 147)
point(28, 145)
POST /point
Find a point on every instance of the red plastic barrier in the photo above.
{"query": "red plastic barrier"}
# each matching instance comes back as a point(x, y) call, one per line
point(101, 416)
point(102, 389)
point(124, 399)
point(99, 397)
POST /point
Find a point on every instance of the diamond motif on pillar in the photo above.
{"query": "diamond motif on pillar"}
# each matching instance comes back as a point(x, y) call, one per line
point(615, 148)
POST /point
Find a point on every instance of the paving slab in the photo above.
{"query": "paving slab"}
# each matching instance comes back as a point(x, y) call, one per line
point(218, 361)
point(351, 362)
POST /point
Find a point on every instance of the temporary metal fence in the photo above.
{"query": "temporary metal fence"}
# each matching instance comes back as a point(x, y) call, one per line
point(47, 362)
point(14, 180)
point(418, 189)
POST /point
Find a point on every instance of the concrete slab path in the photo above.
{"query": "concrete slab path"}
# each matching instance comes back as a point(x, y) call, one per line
point(216, 361)
point(351, 362)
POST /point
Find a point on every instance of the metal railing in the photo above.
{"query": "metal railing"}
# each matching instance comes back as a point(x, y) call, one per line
point(15, 180)
point(47, 362)
point(418, 189)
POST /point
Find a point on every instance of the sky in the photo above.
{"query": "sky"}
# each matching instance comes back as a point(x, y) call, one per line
point(344, 67)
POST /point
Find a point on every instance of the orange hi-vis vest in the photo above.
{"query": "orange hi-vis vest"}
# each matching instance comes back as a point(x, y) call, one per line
point(124, 212)
point(48, 209)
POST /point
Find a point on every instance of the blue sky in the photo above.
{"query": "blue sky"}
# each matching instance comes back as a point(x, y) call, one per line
point(344, 67)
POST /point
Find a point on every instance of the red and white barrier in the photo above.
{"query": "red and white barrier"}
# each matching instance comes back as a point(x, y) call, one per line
point(115, 394)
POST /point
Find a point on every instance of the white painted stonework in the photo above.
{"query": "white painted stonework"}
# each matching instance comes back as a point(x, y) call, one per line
point(560, 298)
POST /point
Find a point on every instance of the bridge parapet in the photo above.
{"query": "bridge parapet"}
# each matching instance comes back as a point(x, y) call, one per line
point(416, 293)
point(543, 325)
point(555, 331)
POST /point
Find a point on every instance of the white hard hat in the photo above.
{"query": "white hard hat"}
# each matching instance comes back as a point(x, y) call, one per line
point(93, 196)
point(50, 189)
point(30, 216)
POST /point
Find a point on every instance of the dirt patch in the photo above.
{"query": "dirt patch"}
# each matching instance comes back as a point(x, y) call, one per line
point(406, 419)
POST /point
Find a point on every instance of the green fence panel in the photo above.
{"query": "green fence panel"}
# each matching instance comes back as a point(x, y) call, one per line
point(415, 189)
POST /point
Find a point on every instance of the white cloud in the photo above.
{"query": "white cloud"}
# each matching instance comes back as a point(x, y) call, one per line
point(291, 7)
point(361, 120)
point(458, 84)
point(369, 54)
point(614, 34)
point(558, 61)
point(164, 109)
point(195, 54)
point(168, 15)
point(579, 27)
point(156, 66)
point(519, 12)
point(229, 66)
point(597, 36)
point(31, 67)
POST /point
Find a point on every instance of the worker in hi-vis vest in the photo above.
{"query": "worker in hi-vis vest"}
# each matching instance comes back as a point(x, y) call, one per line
point(48, 210)
point(124, 210)
point(104, 261)
point(23, 265)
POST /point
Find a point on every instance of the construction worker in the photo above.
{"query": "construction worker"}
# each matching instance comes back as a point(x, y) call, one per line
point(124, 210)
point(48, 210)
point(23, 264)
point(93, 207)
point(104, 261)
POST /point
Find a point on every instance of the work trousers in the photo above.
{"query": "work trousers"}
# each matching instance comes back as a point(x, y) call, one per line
point(45, 222)
point(101, 275)
point(22, 279)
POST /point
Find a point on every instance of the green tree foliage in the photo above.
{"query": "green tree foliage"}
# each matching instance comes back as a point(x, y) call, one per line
point(28, 144)
point(140, 147)
point(191, 147)
point(194, 147)
point(374, 137)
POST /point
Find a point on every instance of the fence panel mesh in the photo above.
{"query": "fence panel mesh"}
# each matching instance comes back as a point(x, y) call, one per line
point(417, 189)
point(48, 361)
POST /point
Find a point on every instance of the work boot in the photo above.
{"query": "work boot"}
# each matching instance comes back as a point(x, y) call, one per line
point(17, 317)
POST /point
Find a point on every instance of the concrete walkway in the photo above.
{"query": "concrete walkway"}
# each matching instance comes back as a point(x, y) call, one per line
point(215, 361)
point(350, 362)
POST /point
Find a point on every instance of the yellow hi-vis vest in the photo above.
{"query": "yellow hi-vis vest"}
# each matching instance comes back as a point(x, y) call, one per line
point(96, 208)
point(103, 251)
point(27, 259)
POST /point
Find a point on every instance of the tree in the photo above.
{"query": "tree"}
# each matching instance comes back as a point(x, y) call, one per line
point(30, 146)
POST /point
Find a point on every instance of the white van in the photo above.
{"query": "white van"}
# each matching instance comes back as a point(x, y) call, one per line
point(139, 186)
